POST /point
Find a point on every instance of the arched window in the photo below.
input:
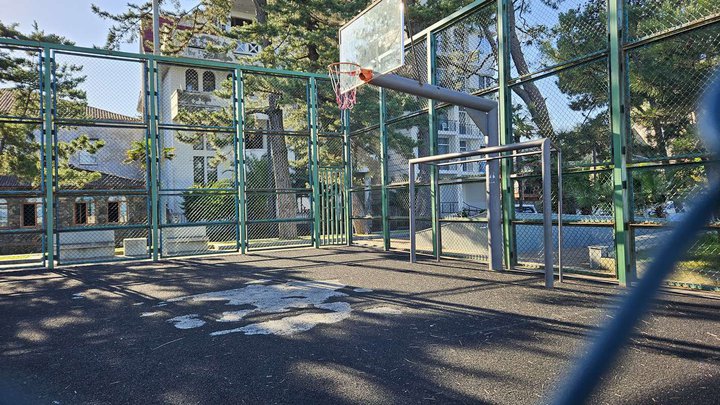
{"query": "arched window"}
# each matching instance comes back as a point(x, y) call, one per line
point(4, 219)
point(84, 211)
point(191, 80)
point(117, 210)
point(208, 81)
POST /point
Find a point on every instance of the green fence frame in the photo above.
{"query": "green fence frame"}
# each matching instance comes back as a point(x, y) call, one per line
point(49, 120)
point(620, 165)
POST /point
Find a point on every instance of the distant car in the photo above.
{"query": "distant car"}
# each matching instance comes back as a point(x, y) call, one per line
point(668, 209)
point(525, 209)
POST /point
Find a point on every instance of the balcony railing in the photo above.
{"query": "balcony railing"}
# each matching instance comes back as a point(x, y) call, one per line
point(461, 127)
point(197, 48)
point(185, 100)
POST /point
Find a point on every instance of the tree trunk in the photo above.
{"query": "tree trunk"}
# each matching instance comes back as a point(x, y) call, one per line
point(285, 202)
point(422, 202)
point(528, 91)
point(360, 208)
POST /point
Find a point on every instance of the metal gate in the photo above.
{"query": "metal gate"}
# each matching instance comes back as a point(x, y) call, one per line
point(332, 205)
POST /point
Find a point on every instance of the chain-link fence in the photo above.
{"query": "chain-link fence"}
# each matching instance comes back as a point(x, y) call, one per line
point(108, 156)
point(117, 156)
point(626, 126)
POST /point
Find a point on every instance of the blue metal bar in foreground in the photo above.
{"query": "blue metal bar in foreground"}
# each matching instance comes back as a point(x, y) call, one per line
point(587, 373)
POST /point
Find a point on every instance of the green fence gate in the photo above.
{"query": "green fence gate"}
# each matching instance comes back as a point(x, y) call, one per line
point(332, 203)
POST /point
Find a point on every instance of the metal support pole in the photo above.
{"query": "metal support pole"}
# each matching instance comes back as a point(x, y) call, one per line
point(494, 202)
point(411, 197)
point(430, 91)
point(156, 26)
point(560, 198)
point(154, 148)
point(49, 213)
point(314, 162)
point(621, 212)
point(505, 131)
point(433, 137)
point(547, 213)
point(348, 177)
point(240, 154)
point(385, 177)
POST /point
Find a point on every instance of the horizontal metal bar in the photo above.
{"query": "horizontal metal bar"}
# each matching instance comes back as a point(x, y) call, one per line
point(115, 259)
point(463, 180)
point(196, 128)
point(100, 123)
point(653, 225)
point(482, 151)
point(564, 222)
point(10, 119)
point(18, 231)
point(277, 133)
point(561, 67)
point(459, 162)
point(205, 223)
point(672, 32)
point(480, 220)
point(158, 58)
point(180, 191)
point(673, 161)
point(278, 191)
point(369, 188)
point(279, 220)
point(91, 228)
point(22, 193)
point(85, 192)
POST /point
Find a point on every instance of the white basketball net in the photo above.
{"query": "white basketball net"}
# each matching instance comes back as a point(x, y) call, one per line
point(345, 100)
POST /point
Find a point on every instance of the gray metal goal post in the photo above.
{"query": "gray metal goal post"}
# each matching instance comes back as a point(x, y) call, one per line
point(495, 153)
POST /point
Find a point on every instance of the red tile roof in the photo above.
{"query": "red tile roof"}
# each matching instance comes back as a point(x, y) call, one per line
point(7, 98)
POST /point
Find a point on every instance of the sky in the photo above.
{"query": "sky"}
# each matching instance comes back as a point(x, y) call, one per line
point(74, 20)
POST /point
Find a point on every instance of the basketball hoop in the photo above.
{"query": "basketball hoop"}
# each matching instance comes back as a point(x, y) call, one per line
point(339, 73)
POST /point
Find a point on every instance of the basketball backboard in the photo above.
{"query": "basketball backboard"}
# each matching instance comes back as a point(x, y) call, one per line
point(375, 40)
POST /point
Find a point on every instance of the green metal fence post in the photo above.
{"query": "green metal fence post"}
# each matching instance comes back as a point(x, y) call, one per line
point(314, 162)
point(505, 131)
point(49, 213)
point(616, 19)
point(433, 136)
point(348, 177)
point(153, 146)
point(240, 154)
point(384, 178)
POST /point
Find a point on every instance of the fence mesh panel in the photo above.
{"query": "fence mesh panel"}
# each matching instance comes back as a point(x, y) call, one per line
point(571, 108)
point(646, 18)
point(663, 103)
point(98, 89)
point(21, 158)
point(546, 34)
point(466, 53)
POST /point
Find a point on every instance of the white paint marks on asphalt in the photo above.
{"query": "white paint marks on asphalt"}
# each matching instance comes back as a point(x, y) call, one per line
point(187, 321)
point(383, 310)
point(155, 313)
point(273, 299)
point(234, 316)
